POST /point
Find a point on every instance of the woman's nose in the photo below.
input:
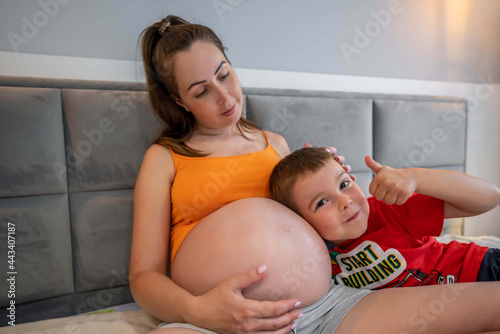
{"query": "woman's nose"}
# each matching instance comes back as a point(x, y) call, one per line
point(223, 95)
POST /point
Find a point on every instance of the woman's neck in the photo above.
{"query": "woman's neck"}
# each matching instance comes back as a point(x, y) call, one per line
point(216, 134)
point(227, 142)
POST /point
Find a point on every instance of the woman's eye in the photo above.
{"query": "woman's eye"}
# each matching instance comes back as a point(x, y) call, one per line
point(220, 79)
point(201, 94)
point(344, 184)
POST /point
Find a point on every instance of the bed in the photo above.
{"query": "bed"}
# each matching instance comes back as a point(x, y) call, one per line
point(71, 151)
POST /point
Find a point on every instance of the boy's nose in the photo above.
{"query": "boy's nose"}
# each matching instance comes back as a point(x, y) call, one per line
point(344, 202)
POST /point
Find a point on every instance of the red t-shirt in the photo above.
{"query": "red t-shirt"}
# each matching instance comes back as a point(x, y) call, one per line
point(398, 249)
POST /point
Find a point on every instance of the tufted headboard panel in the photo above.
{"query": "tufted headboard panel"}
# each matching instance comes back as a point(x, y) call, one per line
point(71, 151)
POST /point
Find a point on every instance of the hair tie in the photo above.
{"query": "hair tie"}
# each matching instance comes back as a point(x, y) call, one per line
point(163, 27)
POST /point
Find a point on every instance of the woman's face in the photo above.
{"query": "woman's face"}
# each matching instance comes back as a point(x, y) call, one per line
point(208, 86)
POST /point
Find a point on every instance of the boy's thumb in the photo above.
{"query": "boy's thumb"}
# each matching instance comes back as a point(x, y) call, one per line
point(372, 164)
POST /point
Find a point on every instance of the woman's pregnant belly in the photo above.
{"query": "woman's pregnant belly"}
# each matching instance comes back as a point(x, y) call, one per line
point(246, 234)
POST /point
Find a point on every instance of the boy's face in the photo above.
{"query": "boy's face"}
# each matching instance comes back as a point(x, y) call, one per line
point(332, 203)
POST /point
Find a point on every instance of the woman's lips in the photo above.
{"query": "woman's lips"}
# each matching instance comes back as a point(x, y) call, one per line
point(230, 111)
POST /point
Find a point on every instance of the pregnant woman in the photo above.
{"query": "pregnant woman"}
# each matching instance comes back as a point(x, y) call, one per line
point(239, 261)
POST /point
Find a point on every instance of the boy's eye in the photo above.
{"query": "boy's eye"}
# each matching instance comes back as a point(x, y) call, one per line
point(344, 184)
point(320, 203)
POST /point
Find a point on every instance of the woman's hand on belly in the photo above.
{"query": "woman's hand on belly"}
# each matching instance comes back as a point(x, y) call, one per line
point(224, 309)
point(218, 259)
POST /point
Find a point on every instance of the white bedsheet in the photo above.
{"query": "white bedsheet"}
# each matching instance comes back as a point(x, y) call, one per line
point(486, 241)
point(116, 321)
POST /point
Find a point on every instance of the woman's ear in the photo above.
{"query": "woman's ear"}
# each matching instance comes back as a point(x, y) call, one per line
point(179, 102)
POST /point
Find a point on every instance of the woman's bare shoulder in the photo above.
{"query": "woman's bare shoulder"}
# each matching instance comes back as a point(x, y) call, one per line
point(158, 153)
point(159, 161)
point(278, 143)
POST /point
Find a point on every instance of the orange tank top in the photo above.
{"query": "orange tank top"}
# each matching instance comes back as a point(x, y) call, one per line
point(205, 184)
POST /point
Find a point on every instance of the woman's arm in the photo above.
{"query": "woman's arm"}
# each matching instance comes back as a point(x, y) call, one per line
point(150, 286)
point(464, 195)
point(222, 309)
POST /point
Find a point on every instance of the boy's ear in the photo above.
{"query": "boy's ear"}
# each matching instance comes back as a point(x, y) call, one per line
point(179, 102)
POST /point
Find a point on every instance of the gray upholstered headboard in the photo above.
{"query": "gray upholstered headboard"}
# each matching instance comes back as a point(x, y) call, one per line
point(71, 150)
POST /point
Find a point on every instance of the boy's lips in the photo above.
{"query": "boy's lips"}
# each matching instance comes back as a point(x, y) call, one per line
point(354, 216)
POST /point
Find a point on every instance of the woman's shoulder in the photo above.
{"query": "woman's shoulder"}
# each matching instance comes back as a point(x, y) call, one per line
point(157, 151)
point(278, 143)
point(158, 159)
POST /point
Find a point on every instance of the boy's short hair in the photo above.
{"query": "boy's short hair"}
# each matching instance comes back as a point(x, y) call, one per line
point(295, 165)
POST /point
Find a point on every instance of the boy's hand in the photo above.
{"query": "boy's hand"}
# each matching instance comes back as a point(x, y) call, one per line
point(393, 186)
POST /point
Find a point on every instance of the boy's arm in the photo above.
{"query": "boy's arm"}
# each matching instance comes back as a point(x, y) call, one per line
point(463, 195)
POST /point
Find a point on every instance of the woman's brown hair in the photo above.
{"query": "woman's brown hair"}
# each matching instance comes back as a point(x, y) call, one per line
point(159, 48)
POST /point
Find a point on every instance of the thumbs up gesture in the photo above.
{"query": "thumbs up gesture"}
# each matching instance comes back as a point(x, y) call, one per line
point(393, 186)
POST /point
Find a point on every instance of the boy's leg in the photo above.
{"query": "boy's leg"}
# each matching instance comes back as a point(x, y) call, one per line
point(490, 266)
point(450, 308)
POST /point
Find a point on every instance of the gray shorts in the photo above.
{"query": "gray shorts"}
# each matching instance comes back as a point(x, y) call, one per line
point(324, 316)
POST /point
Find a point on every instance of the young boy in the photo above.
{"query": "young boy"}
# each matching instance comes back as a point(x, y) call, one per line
point(386, 240)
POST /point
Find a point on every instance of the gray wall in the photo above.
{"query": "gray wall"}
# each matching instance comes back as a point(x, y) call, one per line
point(443, 40)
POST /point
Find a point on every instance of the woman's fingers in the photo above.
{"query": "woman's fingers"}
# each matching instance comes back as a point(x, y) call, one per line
point(224, 309)
point(256, 316)
point(242, 281)
point(332, 150)
point(279, 316)
point(340, 159)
